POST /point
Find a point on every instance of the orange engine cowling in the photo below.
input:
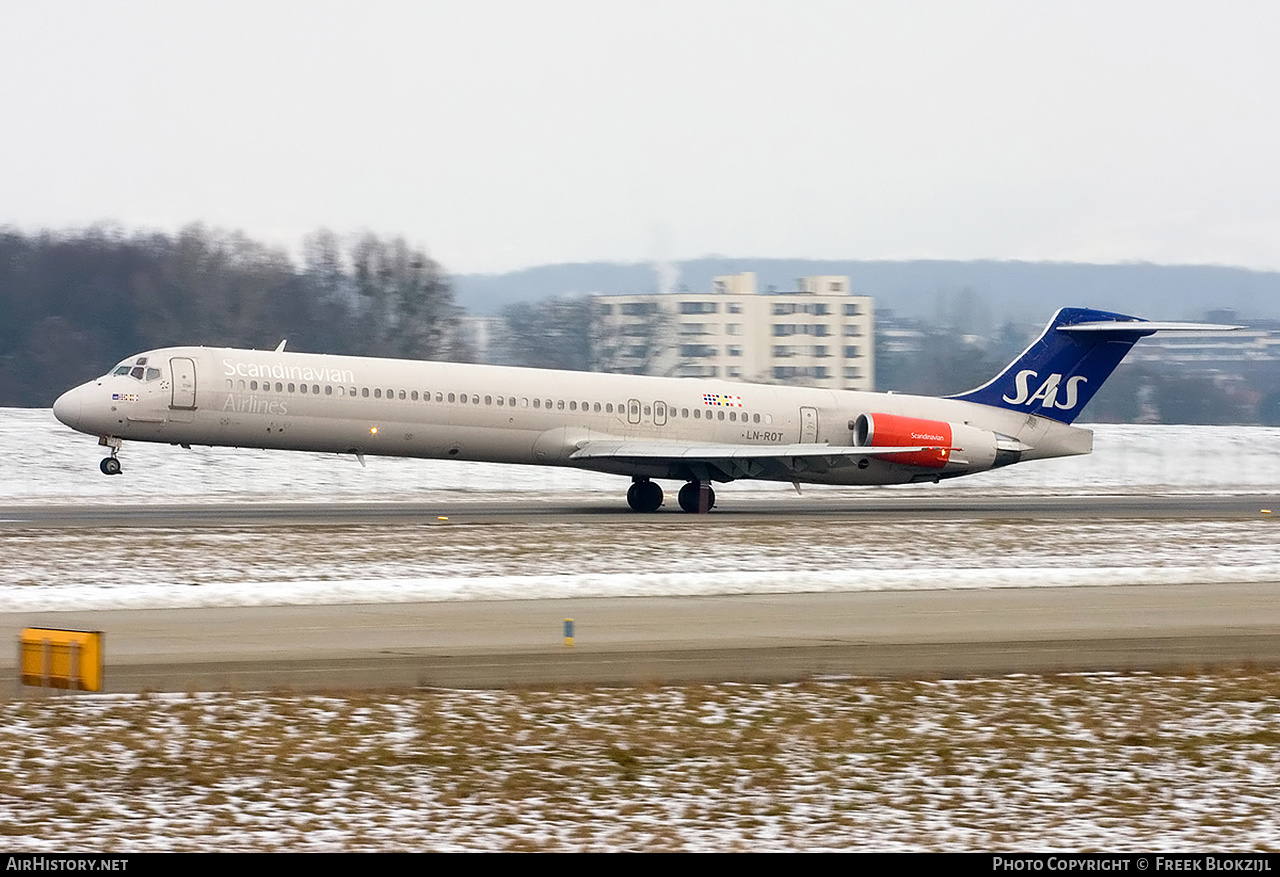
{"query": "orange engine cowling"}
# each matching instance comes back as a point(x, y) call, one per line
point(896, 431)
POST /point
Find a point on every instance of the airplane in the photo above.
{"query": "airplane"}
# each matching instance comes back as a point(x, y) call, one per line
point(648, 428)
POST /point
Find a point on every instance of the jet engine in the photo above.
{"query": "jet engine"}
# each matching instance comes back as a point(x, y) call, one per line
point(949, 445)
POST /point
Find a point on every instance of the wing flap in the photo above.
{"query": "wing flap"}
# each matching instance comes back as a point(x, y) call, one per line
point(641, 450)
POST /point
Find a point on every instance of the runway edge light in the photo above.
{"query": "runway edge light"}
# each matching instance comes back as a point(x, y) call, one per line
point(55, 658)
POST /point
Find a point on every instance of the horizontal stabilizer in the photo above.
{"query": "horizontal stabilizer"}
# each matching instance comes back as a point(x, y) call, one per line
point(1146, 327)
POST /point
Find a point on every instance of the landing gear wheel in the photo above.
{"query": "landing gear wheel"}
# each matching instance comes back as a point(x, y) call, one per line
point(109, 466)
point(644, 496)
point(688, 496)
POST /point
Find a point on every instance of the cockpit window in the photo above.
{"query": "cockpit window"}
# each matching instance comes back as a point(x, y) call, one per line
point(137, 369)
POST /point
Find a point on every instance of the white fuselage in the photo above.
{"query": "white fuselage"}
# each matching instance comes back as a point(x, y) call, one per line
point(346, 404)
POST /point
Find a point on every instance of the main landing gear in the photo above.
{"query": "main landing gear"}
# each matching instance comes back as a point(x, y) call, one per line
point(110, 465)
point(696, 496)
point(644, 496)
point(691, 497)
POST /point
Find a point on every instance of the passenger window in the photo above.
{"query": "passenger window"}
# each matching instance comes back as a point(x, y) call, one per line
point(303, 388)
point(364, 391)
point(573, 406)
point(501, 401)
point(377, 393)
point(597, 408)
point(511, 401)
point(415, 395)
point(720, 415)
point(451, 397)
point(488, 400)
point(537, 403)
point(755, 418)
point(559, 404)
point(291, 388)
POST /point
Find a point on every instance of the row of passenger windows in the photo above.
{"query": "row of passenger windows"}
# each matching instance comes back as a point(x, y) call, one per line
point(497, 401)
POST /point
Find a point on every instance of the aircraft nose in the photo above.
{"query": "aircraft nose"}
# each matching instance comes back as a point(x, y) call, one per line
point(67, 407)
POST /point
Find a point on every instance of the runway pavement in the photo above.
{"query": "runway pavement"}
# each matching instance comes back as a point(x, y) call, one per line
point(671, 639)
point(879, 504)
point(931, 633)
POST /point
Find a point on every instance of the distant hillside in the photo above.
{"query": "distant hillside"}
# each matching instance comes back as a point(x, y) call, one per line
point(1019, 291)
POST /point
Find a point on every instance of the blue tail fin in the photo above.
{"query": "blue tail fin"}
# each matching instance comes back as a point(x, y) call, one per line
point(1059, 373)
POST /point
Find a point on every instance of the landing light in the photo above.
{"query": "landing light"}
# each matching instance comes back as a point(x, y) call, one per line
point(373, 430)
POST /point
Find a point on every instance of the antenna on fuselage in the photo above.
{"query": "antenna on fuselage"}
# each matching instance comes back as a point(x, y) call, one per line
point(280, 346)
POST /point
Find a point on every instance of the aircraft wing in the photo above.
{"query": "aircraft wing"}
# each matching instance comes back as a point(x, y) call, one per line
point(737, 461)
point(643, 450)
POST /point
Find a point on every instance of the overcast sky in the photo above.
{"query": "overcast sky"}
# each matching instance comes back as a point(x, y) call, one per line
point(506, 134)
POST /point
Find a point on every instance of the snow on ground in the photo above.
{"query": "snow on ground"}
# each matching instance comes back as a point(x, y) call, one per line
point(222, 566)
point(1079, 762)
point(1104, 762)
point(47, 462)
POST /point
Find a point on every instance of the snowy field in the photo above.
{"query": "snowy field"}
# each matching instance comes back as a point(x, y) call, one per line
point(1079, 762)
point(1106, 762)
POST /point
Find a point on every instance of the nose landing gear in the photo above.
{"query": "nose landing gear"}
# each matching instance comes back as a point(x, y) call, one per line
point(110, 465)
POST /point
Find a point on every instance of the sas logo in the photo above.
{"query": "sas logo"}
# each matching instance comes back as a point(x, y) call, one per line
point(1047, 394)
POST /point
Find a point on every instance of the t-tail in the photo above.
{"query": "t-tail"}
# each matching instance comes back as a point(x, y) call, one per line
point(1059, 373)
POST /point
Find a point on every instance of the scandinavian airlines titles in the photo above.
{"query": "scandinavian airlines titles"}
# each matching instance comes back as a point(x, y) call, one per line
point(1047, 394)
point(280, 371)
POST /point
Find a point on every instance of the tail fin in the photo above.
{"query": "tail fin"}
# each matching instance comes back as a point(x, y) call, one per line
point(1059, 373)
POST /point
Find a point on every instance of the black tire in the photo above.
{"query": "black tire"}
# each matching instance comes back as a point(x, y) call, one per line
point(644, 496)
point(688, 497)
point(109, 466)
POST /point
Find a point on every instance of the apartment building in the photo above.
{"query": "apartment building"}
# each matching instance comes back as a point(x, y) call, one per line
point(819, 334)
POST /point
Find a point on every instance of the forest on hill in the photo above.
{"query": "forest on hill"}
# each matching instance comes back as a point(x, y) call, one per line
point(74, 303)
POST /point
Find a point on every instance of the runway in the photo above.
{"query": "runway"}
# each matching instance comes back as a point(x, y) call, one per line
point(654, 640)
point(933, 631)
point(844, 505)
